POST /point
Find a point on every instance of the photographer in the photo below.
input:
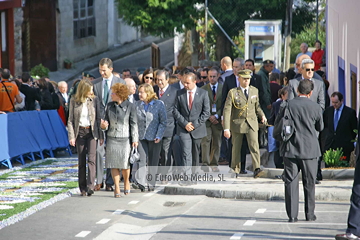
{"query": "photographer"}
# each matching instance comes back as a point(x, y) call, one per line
point(32, 93)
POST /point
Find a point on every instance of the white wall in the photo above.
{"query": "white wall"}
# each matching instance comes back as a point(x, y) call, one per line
point(342, 41)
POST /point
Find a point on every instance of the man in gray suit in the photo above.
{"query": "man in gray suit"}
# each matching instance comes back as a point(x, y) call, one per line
point(102, 89)
point(226, 66)
point(307, 72)
point(167, 94)
point(301, 151)
point(192, 109)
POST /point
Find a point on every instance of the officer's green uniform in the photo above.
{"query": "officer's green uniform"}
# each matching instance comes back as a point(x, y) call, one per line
point(241, 117)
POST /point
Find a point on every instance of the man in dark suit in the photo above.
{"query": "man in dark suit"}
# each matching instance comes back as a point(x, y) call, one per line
point(353, 229)
point(301, 151)
point(191, 112)
point(210, 145)
point(339, 125)
point(102, 89)
point(31, 93)
point(167, 94)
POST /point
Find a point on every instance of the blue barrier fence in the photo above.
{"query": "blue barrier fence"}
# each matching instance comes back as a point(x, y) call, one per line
point(31, 133)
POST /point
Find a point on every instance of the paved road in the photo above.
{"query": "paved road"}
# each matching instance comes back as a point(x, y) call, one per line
point(157, 216)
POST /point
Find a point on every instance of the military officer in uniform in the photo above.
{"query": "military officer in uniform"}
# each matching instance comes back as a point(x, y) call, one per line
point(241, 113)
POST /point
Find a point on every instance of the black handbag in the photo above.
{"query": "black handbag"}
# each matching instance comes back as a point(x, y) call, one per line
point(134, 155)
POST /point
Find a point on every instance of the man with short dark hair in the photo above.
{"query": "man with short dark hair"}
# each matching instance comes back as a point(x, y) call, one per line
point(9, 93)
point(339, 124)
point(191, 112)
point(126, 73)
point(265, 70)
point(301, 151)
point(31, 93)
point(102, 89)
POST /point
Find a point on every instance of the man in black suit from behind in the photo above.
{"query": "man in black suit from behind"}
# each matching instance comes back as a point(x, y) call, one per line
point(191, 111)
point(167, 94)
point(31, 93)
point(353, 228)
point(102, 89)
point(339, 124)
point(301, 151)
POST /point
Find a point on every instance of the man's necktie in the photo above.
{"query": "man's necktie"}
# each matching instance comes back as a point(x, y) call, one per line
point(246, 94)
point(190, 100)
point(214, 92)
point(161, 93)
point(336, 119)
point(106, 91)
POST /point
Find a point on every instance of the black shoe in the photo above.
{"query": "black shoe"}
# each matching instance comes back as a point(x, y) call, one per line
point(141, 187)
point(243, 172)
point(292, 220)
point(311, 219)
point(258, 173)
point(317, 182)
point(90, 192)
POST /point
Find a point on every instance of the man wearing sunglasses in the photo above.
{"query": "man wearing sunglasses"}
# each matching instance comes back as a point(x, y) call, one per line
point(307, 72)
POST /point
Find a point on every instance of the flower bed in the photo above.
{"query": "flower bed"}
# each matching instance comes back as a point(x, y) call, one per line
point(27, 189)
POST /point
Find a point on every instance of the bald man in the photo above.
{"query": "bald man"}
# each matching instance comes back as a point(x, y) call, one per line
point(133, 96)
point(226, 66)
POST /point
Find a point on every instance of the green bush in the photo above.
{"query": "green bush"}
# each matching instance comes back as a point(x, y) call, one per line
point(40, 70)
point(334, 158)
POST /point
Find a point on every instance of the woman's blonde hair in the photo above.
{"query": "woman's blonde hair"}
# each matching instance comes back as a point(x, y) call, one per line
point(149, 90)
point(82, 91)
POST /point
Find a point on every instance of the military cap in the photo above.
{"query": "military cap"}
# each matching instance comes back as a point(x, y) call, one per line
point(87, 74)
point(268, 62)
point(246, 73)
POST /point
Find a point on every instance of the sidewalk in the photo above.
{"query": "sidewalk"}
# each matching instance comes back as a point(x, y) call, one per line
point(260, 189)
point(92, 62)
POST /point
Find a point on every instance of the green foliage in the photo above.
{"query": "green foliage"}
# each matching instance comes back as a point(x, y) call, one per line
point(333, 158)
point(40, 70)
point(160, 17)
point(356, 138)
point(308, 36)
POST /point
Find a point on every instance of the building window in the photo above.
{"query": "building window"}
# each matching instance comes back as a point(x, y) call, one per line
point(84, 19)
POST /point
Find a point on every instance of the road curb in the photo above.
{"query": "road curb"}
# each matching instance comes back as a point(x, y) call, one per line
point(252, 195)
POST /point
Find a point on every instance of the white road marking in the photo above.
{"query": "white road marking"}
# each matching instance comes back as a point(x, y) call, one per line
point(103, 221)
point(315, 211)
point(301, 222)
point(133, 202)
point(148, 194)
point(237, 236)
point(261, 210)
point(83, 234)
point(118, 211)
point(249, 222)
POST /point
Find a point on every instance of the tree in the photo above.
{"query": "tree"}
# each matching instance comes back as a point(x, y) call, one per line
point(160, 17)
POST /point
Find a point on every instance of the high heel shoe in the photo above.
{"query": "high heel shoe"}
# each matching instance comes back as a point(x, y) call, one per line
point(126, 192)
point(117, 195)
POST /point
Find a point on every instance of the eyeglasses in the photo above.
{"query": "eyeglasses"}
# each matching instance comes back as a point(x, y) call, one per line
point(203, 77)
point(309, 69)
point(149, 78)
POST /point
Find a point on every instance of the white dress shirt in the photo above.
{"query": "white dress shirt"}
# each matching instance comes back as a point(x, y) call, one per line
point(193, 95)
point(109, 80)
point(84, 116)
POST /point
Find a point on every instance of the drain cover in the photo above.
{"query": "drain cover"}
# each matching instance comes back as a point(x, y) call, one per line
point(174, 204)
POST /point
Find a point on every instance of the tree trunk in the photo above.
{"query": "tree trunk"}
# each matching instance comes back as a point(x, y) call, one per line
point(223, 47)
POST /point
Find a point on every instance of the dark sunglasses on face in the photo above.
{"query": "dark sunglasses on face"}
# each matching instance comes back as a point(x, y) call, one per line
point(149, 78)
point(203, 77)
point(309, 69)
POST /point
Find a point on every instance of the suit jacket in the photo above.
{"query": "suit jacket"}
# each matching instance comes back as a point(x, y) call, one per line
point(217, 101)
point(176, 85)
point(274, 112)
point(122, 121)
point(75, 110)
point(151, 123)
point(344, 133)
point(168, 99)
point(242, 116)
point(198, 114)
point(307, 117)
point(98, 91)
point(31, 95)
point(266, 94)
point(224, 75)
point(318, 94)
